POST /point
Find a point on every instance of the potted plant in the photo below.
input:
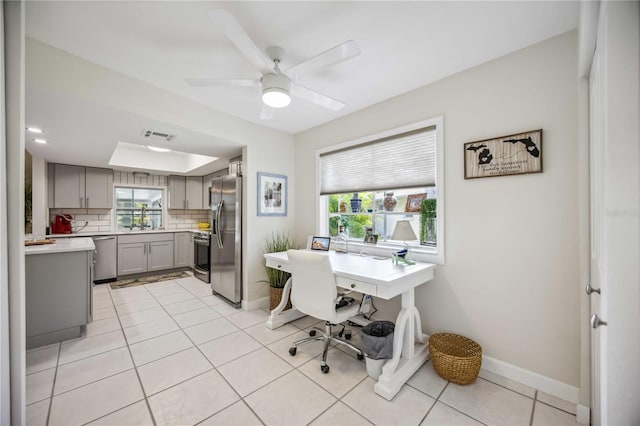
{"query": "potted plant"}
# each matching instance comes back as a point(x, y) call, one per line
point(428, 222)
point(276, 278)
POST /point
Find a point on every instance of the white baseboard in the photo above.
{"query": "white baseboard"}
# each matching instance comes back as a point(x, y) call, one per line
point(529, 378)
point(583, 414)
point(261, 303)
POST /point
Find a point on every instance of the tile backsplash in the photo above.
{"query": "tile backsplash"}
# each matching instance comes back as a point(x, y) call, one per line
point(101, 220)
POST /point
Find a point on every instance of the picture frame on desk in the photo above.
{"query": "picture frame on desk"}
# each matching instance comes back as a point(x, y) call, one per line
point(272, 194)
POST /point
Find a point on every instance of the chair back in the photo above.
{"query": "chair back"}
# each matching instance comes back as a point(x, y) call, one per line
point(313, 285)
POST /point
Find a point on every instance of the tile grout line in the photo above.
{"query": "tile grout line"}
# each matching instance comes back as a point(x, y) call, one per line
point(126, 341)
point(53, 385)
point(533, 407)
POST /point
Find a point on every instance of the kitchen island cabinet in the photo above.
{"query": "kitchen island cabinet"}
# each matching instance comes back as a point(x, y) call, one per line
point(58, 290)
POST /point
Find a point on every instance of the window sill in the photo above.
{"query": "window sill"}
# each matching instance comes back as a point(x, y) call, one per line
point(419, 253)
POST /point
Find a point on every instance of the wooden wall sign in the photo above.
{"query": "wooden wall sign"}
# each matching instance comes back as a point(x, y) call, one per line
point(507, 155)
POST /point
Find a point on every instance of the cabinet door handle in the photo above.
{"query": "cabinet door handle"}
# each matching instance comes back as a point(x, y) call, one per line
point(80, 201)
point(149, 248)
point(87, 206)
point(144, 248)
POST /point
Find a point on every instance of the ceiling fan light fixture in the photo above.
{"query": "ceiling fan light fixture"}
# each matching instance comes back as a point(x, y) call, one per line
point(275, 90)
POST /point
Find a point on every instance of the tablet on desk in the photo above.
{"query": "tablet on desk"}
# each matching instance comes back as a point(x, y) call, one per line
point(320, 243)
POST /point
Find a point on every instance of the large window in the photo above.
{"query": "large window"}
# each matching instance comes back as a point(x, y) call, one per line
point(139, 208)
point(387, 188)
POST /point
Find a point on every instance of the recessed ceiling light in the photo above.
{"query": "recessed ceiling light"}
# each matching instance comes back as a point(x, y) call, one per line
point(42, 141)
point(35, 130)
point(158, 149)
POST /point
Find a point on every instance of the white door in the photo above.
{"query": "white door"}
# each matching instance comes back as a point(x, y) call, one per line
point(596, 148)
point(615, 210)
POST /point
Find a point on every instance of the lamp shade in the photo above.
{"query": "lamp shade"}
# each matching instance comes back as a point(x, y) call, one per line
point(403, 231)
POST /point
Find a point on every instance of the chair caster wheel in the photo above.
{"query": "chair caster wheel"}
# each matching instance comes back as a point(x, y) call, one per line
point(312, 333)
point(324, 368)
point(340, 334)
point(292, 351)
point(347, 335)
point(360, 357)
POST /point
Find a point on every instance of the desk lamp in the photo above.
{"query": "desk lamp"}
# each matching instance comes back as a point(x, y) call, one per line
point(404, 232)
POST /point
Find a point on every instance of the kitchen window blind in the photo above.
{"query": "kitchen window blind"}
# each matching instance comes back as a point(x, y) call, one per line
point(407, 160)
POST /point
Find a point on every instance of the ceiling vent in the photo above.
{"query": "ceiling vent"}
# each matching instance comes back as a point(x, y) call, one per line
point(152, 134)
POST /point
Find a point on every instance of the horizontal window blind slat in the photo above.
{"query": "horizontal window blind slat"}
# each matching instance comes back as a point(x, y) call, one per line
point(405, 161)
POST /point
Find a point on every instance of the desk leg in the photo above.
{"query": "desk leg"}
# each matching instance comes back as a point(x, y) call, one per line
point(410, 350)
point(279, 317)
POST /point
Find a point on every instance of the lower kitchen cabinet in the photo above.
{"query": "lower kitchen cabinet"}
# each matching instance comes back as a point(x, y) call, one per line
point(144, 253)
point(160, 255)
point(182, 249)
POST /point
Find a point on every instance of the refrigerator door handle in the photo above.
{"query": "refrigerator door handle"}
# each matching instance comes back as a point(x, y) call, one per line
point(218, 227)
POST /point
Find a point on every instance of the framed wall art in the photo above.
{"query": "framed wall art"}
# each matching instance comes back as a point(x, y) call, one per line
point(516, 154)
point(272, 194)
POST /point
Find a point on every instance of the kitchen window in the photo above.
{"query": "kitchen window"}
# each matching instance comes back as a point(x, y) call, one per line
point(139, 208)
point(378, 186)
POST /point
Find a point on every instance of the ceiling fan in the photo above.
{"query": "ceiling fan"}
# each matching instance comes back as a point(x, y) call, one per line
point(277, 85)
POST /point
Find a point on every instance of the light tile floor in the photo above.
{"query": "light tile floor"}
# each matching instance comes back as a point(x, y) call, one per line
point(172, 353)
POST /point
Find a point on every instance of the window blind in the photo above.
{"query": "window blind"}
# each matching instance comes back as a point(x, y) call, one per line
point(406, 160)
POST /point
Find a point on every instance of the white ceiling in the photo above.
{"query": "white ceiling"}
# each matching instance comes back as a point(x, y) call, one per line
point(404, 45)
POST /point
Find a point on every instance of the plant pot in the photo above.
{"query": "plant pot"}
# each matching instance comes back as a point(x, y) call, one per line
point(276, 297)
point(356, 203)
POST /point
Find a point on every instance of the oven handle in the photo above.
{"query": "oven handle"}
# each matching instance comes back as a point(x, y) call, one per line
point(201, 242)
point(200, 271)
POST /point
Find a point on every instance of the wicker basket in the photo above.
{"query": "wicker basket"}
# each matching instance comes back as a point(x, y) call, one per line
point(455, 358)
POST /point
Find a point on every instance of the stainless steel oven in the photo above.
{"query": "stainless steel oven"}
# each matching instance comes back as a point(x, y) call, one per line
point(202, 256)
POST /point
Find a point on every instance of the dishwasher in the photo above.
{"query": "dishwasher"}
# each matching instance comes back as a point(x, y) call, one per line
point(105, 266)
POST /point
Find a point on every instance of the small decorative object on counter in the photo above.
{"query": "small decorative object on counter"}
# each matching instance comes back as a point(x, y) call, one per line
point(356, 203)
point(389, 202)
point(343, 207)
point(342, 240)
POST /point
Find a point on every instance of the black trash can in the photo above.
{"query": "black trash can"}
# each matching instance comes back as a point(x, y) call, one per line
point(377, 339)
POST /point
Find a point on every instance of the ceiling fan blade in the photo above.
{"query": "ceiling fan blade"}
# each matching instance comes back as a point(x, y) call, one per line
point(238, 36)
point(335, 55)
point(267, 112)
point(214, 82)
point(315, 97)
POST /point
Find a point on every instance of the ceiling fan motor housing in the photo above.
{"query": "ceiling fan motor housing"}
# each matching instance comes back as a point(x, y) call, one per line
point(276, 85)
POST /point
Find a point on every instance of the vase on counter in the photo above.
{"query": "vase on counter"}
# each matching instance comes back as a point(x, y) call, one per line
point(356, 203)
point(389, 202)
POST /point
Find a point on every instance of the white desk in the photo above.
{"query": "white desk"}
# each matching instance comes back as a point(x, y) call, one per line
point(380, 278)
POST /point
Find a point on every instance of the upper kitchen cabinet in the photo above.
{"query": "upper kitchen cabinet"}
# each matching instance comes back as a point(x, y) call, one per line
point(185, 192)
point(81, 187)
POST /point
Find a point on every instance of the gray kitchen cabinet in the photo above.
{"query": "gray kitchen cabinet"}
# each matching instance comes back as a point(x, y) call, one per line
point(185, 192)
point(141, 253)
point(182, 249)
point(194, 192)
point(81, 187)
point(159, 255)
point(69, 186)
point(177, 187)
point(132, 258)
point(98, 188)
point(206, 184)
point(58, 290)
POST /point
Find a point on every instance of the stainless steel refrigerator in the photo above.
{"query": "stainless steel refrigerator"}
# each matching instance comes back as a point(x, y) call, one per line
point(226, 237)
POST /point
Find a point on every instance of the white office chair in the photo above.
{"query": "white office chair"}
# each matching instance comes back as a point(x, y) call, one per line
point(314, 292)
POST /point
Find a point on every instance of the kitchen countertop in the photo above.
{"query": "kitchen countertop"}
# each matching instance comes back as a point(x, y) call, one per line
point(97, 234)
point(61, 246)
